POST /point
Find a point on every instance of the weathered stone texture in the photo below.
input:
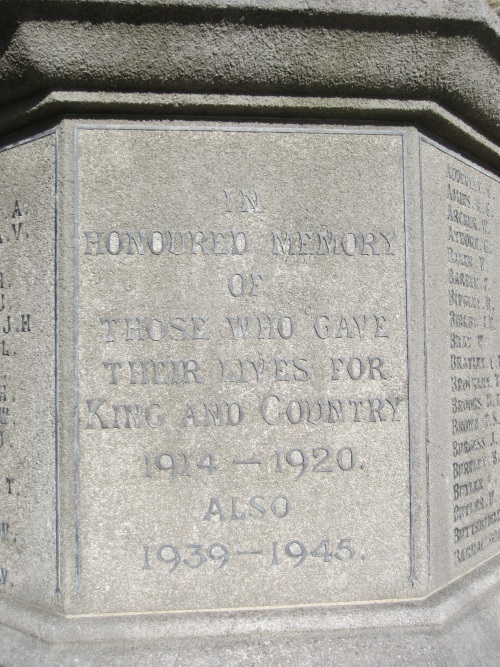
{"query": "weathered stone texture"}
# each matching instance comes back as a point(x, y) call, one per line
point(249, 351)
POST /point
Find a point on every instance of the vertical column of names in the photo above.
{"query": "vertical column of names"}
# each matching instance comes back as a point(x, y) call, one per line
point(27, 370)
point(474, 360)
point(13, 233)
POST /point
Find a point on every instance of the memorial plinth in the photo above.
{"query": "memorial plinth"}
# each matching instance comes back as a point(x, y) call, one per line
point(250, 372)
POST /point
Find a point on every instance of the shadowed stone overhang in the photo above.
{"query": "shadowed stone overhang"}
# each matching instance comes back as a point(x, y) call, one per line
point(425, 62)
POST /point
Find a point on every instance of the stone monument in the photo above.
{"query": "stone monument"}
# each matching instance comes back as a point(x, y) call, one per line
point(250, 355)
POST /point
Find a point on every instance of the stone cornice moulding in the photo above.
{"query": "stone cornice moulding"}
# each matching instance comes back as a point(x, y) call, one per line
point(428, 116)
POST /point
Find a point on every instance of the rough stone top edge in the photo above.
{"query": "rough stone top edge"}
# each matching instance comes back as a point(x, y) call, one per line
point(56, 45)
point(482, 10)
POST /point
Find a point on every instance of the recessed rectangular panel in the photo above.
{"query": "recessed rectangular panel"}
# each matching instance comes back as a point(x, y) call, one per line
point(462, 292)
point(242, 368)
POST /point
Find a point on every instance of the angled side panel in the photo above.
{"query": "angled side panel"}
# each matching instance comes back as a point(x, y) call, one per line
point(29, 512)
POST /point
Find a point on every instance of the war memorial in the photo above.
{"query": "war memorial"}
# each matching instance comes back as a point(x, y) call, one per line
point(249, 332)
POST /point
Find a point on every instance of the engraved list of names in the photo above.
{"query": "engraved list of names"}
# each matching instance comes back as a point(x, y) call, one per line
point(463, 361)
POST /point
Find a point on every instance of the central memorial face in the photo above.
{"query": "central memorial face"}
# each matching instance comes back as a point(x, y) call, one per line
point(242, 376)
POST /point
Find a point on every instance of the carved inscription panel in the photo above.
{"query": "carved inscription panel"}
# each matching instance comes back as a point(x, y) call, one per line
point(29, 566)
point(460, 214)
point(242, 369)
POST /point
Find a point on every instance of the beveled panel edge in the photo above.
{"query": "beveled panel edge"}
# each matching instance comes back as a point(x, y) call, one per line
point(428, 116)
